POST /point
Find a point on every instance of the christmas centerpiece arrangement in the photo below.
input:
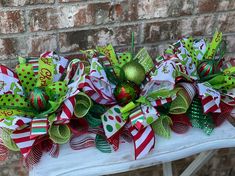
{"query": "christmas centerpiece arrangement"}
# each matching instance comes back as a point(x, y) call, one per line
point(103, 96)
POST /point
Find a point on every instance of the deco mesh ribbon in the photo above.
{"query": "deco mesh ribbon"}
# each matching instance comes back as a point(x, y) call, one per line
point(101, 97)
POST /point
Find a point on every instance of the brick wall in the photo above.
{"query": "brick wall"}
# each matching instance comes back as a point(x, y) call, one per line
point(30, 27)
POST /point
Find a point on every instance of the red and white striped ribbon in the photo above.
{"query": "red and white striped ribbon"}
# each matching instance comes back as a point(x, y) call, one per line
point(144, 141)
point(97, 93)
point(209, 105)
point(7, 71)
point(67, 110)
point(23, 141)
point(160, 102)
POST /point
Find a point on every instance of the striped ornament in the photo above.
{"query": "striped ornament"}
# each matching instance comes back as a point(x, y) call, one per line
point(205, 68)
point(23, 140)
point(144, 141)
point(38, 99)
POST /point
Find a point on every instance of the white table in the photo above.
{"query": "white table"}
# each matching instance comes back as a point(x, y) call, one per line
point(92, 162)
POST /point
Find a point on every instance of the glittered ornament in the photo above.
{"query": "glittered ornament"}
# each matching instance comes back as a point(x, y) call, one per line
point(126, 92)
point(205, 68)
point(38, 99)
point(134, 72)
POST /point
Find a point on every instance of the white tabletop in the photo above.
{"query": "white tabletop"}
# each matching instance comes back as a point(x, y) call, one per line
point(92, 162)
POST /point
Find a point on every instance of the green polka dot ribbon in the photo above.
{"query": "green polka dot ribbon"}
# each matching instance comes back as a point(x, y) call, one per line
point(123, 58)
point(162, 126)
point(7, 141)
point(224, 81)
point(26, 77)
point(16, 102)
point(83, 105)
point(59, 134)
point(198, 118)
point(56, 90)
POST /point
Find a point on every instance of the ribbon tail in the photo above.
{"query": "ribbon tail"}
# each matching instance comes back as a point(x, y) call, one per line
point(144, 141)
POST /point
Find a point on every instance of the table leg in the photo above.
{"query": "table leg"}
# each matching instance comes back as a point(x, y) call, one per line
point(167, 169)
point(200, 160)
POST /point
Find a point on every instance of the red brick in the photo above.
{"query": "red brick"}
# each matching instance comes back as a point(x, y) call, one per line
point(225, 22)
point(43, 19)
point(7, 48)
point(230, 40)
point(148, 9)
point(5, 3)
point(175, 29)
point(63, 17)
point(205, 6)
point(36, 45)
point(123, 11)
point(11, 22)
point(75, 41)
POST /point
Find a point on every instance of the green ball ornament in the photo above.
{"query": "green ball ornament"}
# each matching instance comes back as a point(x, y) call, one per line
point(125, 93)
point(38, 99)
point(134, 72)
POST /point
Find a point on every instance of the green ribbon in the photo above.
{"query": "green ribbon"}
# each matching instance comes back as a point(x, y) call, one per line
point(93, 117)
point(45, 72)
point(214, 45)
point(162, 126)
point(83, 105)
point(181, 104)
point(223, 81)
point(7, 141)
point(26, 76)
point(102, 144)
point(13, 103)
point(59, 134)
point(198, 118)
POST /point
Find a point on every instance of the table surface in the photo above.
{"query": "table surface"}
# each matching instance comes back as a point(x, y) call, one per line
point(92, 162)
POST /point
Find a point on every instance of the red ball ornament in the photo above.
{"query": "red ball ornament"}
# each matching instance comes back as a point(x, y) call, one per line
point(126, 92)
point(39, 99)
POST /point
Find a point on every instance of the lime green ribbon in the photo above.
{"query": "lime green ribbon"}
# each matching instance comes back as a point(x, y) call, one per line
point(14, 104)
point(46, 72)
point(213, 46)
point(162, 126)
point(59, 134)
point(181, 104)
point(7, 141)
point(223, 81)
point(56, 91)
point(83, 105)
